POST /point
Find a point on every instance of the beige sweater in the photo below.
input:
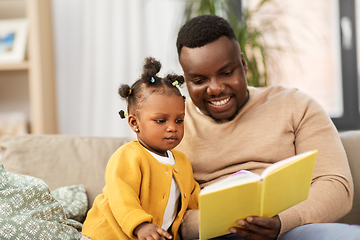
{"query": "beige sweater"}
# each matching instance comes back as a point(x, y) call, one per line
point(274, 124)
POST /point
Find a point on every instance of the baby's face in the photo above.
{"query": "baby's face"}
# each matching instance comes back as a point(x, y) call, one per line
point(161, 122)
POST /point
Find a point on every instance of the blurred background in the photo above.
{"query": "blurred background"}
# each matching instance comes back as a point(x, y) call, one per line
point(80, 51)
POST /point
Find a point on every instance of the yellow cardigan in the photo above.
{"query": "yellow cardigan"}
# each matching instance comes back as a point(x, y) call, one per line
point(137, 191)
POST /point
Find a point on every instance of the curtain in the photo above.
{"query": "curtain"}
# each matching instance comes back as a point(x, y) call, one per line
point(101, 44)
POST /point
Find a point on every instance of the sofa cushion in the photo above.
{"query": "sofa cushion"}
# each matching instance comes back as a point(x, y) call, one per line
point(351, 142)
point(61, 160)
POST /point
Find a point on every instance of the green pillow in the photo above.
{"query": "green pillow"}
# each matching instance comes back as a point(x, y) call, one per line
point(74, 201)
point(29, 211)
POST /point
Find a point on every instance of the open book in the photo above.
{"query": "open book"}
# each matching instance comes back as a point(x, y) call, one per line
point(280, 186)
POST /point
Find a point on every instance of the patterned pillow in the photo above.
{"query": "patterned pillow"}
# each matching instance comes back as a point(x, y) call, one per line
point(74, 201)
point(29, 211)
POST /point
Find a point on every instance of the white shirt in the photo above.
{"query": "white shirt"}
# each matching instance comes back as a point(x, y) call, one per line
point(174, 194)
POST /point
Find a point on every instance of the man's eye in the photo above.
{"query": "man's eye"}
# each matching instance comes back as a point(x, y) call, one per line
point(228, 73)
point(197, 81)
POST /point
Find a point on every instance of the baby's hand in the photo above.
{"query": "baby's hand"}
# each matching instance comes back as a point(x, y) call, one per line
point(149, 231)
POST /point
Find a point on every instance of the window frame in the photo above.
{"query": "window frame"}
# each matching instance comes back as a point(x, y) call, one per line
point(350, 120)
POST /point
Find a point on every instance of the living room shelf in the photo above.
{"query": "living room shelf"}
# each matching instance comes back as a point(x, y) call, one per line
point(14, 66)
point(29, 86)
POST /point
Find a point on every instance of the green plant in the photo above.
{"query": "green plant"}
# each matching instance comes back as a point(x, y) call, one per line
point(249, 30)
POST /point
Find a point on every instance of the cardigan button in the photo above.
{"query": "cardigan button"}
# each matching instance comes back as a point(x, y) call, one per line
point(184, 195)
point(176, 170)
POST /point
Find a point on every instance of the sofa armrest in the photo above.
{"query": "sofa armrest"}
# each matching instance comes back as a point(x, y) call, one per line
point(351, 143)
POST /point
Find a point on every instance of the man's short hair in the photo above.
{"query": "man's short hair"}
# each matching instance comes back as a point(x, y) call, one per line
point(203, 29)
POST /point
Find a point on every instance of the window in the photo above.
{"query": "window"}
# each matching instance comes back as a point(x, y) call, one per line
point(322, 60)
point(350, 118)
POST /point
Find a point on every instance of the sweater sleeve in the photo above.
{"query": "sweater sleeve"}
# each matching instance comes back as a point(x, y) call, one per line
point(122, 190)
point(332, 186)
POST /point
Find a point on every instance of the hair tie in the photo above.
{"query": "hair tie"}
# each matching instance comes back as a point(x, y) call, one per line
point(123, 114)
point(130, 91)
point(152, 79)
point(175, 83)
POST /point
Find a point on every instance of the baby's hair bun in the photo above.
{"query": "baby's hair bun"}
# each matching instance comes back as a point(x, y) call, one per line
point(124, 91)
point(150, 69)
point(173, 78)
point(122, 114)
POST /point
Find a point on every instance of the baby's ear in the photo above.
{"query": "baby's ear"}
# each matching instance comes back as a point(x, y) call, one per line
point(133, 123)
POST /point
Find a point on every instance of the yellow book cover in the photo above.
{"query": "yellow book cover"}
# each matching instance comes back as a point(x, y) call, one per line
point(280, 186)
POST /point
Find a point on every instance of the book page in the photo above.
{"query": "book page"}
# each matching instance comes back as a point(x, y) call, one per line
point(240, 177)
point(288, 185)
point(281, 163)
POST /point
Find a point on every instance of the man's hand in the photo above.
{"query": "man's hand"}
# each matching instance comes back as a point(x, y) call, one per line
point(149, 231)
point(258, 228)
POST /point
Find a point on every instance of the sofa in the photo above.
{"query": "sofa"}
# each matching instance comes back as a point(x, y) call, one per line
point(63, 160)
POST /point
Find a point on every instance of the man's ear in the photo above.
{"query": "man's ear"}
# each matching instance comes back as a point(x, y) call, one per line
point(133, 123)
point(244, 63)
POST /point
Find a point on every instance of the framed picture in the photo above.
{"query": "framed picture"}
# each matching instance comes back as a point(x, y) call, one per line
point(13, 39)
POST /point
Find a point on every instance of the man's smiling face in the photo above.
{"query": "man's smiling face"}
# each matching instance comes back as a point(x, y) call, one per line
point(215, 77)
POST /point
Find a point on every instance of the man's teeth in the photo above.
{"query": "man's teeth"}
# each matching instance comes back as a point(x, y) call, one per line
point(220, 103)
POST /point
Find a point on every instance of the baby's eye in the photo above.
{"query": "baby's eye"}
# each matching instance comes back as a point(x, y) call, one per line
point(160, 120)
point(179, 121)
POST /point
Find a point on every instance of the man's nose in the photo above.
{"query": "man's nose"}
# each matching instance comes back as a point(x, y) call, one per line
point(215, 87)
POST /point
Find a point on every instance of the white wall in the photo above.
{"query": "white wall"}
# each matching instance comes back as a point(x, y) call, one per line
point(100, 44)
